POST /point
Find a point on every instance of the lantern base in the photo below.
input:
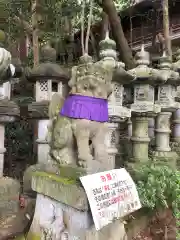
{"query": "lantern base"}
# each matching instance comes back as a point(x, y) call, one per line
point(168, 158)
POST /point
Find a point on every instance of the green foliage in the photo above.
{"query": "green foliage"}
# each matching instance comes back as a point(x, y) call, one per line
point(54, 15)
point(159, 188)
point(122, 4)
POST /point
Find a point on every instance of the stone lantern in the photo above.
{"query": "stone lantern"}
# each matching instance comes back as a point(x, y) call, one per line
point(49, 78)
point(143, 106)
point(166, 99)
point(117, 112)
point(9, 112)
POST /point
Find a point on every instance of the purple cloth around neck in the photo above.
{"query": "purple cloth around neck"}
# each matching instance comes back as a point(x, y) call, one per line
point(84, 107)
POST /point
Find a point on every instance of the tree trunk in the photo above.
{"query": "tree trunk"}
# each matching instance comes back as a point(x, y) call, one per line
point(105, 25)
point(23, 47)
point(24, 25)
point(117, 31)
point(35, 32)
point(167, 41)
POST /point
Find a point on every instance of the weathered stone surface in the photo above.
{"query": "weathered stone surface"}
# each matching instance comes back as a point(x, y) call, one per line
point(62, 189)
point(176, 127)
point(9, 196)
point(48, 68)
point(64, 171)
point(9, 111)
point(136, 223)
point(60, 221)
point(57, 219)
point(114, 231)
point(38, 110)
point(18, 222)
point(140, 139)
point(28, 177)
point(168, 158)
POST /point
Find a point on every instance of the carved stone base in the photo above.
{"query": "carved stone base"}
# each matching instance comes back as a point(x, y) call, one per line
point(169, 158)
point(62, 212)
point(140, 139)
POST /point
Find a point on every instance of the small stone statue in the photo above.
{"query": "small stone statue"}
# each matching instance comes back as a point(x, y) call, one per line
point(84, 113)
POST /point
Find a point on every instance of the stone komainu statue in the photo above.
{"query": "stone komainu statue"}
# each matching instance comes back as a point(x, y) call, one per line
point(83, 114)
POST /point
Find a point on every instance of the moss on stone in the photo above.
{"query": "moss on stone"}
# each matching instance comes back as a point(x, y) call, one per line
point(68, 174)
point(33, 236)
point(72, 172)
point(22, 237)
point(54, 177)
point(60, 189)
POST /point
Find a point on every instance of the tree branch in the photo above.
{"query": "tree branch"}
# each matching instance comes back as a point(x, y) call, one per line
point(167, 42)
point(88, 27)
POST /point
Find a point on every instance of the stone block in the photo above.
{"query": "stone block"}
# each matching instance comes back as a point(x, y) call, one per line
point(65, 171)
point(59, 221)
point(56, 219)
point(64, 190)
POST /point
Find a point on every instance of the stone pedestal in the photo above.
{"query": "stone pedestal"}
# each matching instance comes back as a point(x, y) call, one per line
point(151, 126)
point(163, 132)
point(39, 111)
point(176, 126)
point(162, 149)
point(43, 146)
point(140, 139)
point(62, 212)
point(125, 145)
point(112, 141)
point(175, 140)
point(129, 123)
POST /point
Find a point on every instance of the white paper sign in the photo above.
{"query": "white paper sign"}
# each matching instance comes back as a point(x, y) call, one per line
point(111, 194)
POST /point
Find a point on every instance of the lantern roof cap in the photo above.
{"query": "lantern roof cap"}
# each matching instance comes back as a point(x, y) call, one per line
point(48, 68)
